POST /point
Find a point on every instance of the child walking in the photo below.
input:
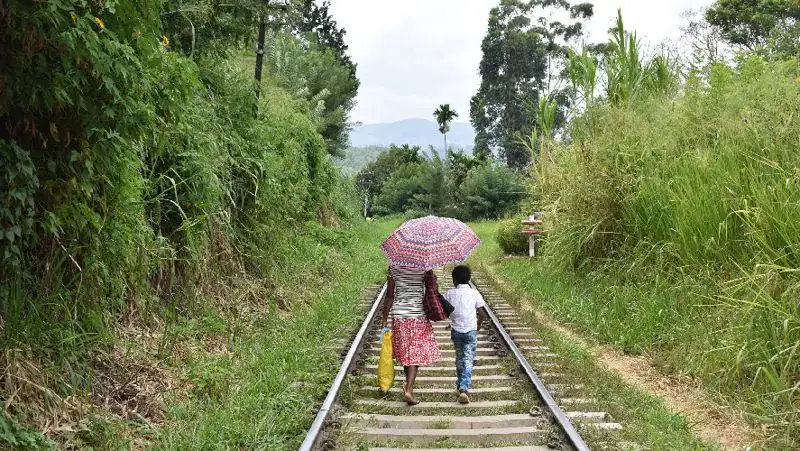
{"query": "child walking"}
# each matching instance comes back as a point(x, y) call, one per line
point(468, 306)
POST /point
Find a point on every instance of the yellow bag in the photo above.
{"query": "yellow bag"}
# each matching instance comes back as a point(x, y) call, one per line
point(386, 364)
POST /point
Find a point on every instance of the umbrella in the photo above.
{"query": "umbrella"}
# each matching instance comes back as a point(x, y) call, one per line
point(430, 242)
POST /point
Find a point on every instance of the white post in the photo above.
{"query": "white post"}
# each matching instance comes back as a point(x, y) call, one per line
point(532, 240)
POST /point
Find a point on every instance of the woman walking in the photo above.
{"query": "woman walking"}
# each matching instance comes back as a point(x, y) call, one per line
point(413, 340)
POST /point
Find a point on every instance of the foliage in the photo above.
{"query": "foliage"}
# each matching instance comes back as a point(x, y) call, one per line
point(12, 434)
point(209, 27)
point(134, 175)
point(316, 74)
point(459, 165)
point(707, 43)
point(629, 74)
point(402, 181)
point(317, 20)
point(522, 59)
point(372, 178)
point(490, 191)
point(404, 189)
point(510, 238)
point(698, 190)
point(278, 369)
point(305, 47)
point(753, 23)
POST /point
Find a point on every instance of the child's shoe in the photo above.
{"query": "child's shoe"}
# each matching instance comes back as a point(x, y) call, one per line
point(463, 398)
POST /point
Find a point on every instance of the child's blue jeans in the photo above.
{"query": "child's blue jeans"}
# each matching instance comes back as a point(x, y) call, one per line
point(465, 344)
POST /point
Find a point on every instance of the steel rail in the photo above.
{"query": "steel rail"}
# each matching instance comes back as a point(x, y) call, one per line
point(324, 411)
point(558, 413)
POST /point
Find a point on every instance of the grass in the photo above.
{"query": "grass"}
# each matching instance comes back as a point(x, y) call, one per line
point(441, 424)
point(667, 317)
point(646, 420)
point(678, 216)
point(241, 365)
point(262, 393)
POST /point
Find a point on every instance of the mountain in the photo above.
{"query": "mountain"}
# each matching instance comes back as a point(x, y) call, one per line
point(415, 132)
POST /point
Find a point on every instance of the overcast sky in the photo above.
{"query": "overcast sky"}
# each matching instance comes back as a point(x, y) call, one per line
point(413, 55)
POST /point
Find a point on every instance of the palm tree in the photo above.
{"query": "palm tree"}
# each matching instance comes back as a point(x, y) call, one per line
point(444, 115)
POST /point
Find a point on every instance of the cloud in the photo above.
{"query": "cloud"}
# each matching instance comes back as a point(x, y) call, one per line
point(413, 55)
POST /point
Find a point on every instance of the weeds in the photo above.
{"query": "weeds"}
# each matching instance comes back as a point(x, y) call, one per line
point(250, 396)
point(142, 203)
point(678, 216)
point(681, 323)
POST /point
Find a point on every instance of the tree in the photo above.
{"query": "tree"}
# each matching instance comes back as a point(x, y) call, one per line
point(523, 59)
point(753, 23)
point(435, 196)
point(334, 69)
point(303, 39)
point(707, 43)
point(317, 24)
point(444, 115)
point(372, 178)
point(405, 189)
point(459, 166)
point(202, 27)
point(491, 191)
point(316, 19)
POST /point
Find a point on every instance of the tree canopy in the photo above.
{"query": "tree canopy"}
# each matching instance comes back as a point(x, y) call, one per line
point(753, 23)
point(404, 180)
point(444, 115)
point(524, 54)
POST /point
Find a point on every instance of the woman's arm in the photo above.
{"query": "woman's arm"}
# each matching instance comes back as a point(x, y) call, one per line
point(388, 300)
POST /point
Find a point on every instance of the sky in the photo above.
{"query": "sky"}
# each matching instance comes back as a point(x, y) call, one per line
point(413, 55)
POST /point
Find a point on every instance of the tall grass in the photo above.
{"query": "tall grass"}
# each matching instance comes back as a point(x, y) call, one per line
point(262, 394)
point(685, 206)
point(157, 199)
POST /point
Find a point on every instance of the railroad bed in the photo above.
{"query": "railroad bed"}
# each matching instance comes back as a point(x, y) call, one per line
point(506, 411)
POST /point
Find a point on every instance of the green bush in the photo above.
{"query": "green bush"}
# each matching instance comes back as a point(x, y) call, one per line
point(510, 238)
point(703, 187)
point(133, 177)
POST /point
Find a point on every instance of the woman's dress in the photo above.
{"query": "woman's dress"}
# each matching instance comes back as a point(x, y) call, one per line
point(413, 340)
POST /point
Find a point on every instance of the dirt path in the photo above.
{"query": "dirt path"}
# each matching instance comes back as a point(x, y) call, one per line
point(712, 421)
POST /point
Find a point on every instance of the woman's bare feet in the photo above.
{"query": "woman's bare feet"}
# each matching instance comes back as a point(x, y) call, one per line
point(408, 396)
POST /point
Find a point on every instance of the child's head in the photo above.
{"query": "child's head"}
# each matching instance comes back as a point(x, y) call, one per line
point(461, 275)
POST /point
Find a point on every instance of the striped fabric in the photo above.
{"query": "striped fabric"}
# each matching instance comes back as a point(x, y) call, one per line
point(409, 289)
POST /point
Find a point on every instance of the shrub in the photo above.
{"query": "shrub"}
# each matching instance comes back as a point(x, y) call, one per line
point(703, 185)
point(133, 177)
point(510, 238)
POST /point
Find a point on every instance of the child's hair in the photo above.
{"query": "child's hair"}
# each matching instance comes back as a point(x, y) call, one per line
point(461, 275)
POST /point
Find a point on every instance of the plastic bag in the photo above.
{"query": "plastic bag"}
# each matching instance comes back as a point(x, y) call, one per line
point(386, 363)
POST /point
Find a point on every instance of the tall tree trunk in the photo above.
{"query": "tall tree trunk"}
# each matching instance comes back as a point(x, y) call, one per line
point(446, 151)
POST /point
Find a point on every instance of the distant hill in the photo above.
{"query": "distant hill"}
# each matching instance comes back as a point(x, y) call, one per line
point(415, 132)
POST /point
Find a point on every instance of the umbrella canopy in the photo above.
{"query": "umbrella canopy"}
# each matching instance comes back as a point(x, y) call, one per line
point(430, 242)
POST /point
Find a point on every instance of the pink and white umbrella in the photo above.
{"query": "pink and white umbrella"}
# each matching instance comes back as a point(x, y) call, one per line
point(430, 242)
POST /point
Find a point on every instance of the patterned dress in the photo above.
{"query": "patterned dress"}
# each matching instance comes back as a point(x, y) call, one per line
point(413, 340)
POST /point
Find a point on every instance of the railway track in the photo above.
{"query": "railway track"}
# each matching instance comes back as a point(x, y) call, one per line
point(521, 400)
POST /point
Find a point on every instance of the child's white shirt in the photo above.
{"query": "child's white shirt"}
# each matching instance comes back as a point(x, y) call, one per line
point(466, 301)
